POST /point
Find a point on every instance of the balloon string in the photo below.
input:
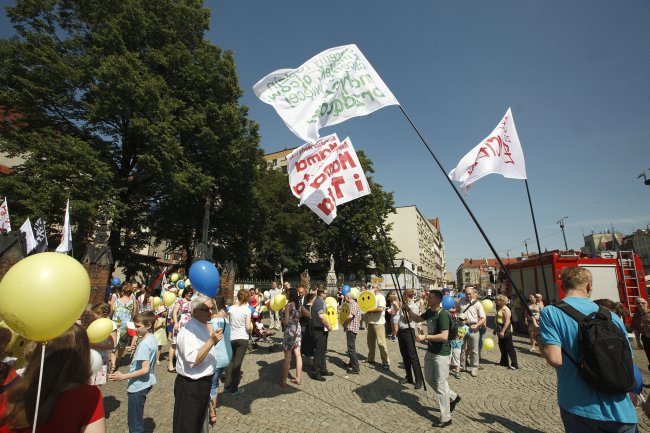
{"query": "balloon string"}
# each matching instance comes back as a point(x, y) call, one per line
point(38, 392)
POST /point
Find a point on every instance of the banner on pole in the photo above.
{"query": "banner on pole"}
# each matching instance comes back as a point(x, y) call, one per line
point(29, 236)
point(325, 174)
point(66, 237)
point(40, 236)
point(500, 152)
point(5, 223)
point(331, 87)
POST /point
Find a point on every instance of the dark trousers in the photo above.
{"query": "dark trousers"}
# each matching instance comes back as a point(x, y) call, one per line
point(507, 348)
point(233, 373)
point(351, 338)
point(135, 413)
point(406, 341)
point(190, 403)
point(320, 348)
point(646, 347)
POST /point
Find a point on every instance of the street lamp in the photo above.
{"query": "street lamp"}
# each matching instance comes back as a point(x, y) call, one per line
point(561, 223)
point(280, 274)
point(526, 245)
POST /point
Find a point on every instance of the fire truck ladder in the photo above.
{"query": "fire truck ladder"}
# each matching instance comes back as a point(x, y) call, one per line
point(630, 278)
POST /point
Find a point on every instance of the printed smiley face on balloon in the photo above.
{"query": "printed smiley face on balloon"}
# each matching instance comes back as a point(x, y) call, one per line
point(366, 301)
point(330, 314)
point(344, 312)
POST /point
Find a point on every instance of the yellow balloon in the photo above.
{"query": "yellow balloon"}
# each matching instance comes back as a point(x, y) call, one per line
point(354, 292)
point(488, 343)
point(278, 302)
point(42, 295)
point(156, 302)
point(264, 309)
point(331, 301)
point(180, 293)
point(99, 330)
point(330, 313)
point(344, 312)
point(367, 301)
point(188, 282)
point(168, 299)
point(487, 305)
point(174, 278)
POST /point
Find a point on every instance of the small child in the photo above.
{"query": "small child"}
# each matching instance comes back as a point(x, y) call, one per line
point(457, 344)
point(140, 375)
point(159, 330)
point(99, 311)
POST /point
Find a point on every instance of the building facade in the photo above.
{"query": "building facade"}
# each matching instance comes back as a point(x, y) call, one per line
point(420, 244)
point(639, 242)
point(479, 273)
point(595, 243)
point(278, 160)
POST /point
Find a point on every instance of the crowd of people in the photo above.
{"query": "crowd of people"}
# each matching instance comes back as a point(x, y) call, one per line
point(208, 340)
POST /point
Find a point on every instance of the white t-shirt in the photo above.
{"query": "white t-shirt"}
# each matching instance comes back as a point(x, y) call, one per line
point(190, 339)
point(378, 318)
point(238, 322)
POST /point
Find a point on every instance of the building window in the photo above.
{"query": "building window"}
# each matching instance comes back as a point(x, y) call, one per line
point(166, 257)
point(155, 254)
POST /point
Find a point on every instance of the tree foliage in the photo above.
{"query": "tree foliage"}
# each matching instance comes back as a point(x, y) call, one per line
point(126, 109)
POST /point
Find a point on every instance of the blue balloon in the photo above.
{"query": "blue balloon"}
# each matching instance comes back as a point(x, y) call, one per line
point(205, 277)
point(448, 302)
point(638, 379)
point(115, 281)
point(461, 295)
point(180, 284)
point(345, 289)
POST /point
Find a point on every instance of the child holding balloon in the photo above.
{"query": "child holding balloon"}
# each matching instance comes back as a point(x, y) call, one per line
point(141, 376)
point(99, 311)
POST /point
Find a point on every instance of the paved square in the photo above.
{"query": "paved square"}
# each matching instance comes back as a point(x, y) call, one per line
point(498, 400)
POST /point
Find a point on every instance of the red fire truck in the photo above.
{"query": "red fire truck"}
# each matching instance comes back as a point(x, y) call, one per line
point(617, 276)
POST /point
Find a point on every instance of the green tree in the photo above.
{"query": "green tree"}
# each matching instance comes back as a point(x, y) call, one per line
point(153, 110)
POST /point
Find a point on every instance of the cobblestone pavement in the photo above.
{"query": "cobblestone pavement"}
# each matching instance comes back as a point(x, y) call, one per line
point(498, 400)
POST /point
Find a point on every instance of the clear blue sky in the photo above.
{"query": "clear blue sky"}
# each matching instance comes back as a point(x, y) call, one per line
point(576, 74)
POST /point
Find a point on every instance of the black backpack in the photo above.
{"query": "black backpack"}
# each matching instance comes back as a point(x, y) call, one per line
point(605, 360)
point(453, 326)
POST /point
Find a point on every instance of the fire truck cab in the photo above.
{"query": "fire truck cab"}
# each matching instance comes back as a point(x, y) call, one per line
point(617, 276)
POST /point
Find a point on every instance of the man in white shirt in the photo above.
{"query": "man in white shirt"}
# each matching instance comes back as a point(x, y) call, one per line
point(377, 330)
point(195, 365)
point(473, 310)
point(274, 315)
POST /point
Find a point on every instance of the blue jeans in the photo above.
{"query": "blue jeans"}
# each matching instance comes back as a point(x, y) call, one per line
point(135, 412)
point(215, 382)
point(578, 424)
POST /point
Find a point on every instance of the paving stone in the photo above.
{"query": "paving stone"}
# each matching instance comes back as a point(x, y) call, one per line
point(498, 400)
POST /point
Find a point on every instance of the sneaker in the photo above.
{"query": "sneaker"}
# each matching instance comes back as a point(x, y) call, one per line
point(238, 392)
point(456, 374)
point(480, 367)
point(513, 367)
point(418, 385)
point(440, 424)
point(474, 373)
point(327, 373)
point(453, 403)
point(319, 378)
point(385, 366)
point(369, 362)
point(352, 371)
point(403, 381)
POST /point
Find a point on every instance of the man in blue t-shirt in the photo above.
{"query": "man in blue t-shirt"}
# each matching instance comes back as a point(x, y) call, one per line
point(583, 409)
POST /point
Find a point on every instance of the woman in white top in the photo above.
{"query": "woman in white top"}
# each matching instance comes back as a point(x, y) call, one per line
point(241, 327)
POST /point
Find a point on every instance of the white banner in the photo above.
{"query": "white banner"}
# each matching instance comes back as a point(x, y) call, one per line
point(5, 223)
point(66, 237)
point(329, 88)
point(326, 174)
point(29, 236)
point(499, 153)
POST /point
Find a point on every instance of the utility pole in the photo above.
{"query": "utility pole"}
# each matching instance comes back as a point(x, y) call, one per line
point(526, 245)
point(561, 223)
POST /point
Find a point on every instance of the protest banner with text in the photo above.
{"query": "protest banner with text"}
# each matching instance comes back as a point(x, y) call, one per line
point(329, 88)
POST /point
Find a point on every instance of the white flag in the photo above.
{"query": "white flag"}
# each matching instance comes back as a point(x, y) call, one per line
point(329, 88)
point(5, 223)
point(499, 153)
point(66, 237)
point(326, 174)
point(29, 236)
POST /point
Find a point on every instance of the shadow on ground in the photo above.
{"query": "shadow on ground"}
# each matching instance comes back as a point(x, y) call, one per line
point(490, 418)
point(384, 389)
point(111, 404)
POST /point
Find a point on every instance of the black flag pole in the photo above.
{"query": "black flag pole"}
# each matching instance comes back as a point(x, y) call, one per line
point(400, 295)
point(539, 248)
point(469, 211)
